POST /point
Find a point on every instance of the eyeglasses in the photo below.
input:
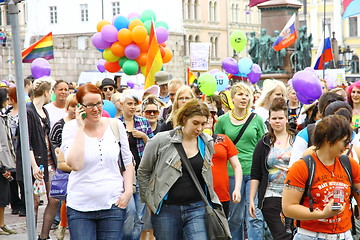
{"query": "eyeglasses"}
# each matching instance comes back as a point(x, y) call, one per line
point(105, 89)
point(184, 99)
point(150, 112)
point(347, 142)
point(91, 106)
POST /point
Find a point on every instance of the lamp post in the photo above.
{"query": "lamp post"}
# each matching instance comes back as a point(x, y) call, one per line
point(345, 58)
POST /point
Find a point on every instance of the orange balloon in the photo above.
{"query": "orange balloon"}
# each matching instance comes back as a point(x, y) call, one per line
point(141, 60)
point(117, 49)
point(163, 44)
point(112, 66)
point(135, 22)
point(138, 34)
point(162, 51)
point(124, 36)
point(168, 55)
point(144, 46)
point(100, 25)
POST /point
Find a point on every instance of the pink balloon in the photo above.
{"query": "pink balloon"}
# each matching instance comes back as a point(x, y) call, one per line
point(98, 42)
point(162, 34)
point(132, 51)
point(40, 67)
point(109, 33)
point(255, 74)
point(133, 14)
point(101, 65)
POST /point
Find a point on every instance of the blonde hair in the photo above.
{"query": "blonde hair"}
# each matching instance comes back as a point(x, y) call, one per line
point(42, 85)
point(70, 101)
point(242, 87)
point(116, 97)
point(269, 87)
point(175, 106)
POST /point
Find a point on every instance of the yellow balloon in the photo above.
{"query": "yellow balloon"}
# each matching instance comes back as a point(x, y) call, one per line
point(109, 56)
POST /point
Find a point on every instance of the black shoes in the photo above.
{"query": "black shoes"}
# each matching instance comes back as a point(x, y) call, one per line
point(14, 212)
point(22, 213)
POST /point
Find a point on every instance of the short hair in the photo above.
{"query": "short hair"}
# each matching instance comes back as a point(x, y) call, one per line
point(339, 108)
point(129, 94)
point(42, 85)
point(3, 97)
point(151, 99)
point(349, 90)
point(269, 87)
point(279, 104)
point(87, 88)
point(60, 81)
point(175, 105)
point(27, 81)
point(324, 130)
point(176, 82)
point(191, 108)
point(115, 97)
point(70, 101)
point(242, 87)
point(326, 99)
point(12, 94)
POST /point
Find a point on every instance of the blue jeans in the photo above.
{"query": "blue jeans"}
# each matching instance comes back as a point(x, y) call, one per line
point(239, 211)
point(177, 222)
point(96, 225)
point(134, 217)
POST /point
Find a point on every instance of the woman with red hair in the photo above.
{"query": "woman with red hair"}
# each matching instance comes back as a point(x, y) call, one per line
point(353, 96)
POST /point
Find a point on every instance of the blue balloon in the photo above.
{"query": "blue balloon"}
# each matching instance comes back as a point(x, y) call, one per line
point(110, 108)
point(245, 65)
point(121, 22)
point(222, 81)
point(100, 50)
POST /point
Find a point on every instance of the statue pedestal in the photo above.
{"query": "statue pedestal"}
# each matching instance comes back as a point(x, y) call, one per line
point(274, 16)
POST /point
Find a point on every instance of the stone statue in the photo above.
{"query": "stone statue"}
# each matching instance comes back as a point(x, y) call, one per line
point(264, 41)
point(301, 58)
point(276, 58)
point(254, 48)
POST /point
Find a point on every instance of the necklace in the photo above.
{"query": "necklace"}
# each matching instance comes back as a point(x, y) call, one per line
point(240, 118)
point(332, 172)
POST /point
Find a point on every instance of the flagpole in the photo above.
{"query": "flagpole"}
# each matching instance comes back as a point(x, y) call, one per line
point(324, 25)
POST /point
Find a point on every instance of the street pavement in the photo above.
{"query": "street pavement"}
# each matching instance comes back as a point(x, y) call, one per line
point(19, 225)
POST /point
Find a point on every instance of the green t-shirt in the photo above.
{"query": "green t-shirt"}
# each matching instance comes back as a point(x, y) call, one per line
point(246, 145)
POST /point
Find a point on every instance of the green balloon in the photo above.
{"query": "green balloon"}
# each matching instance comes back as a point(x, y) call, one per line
point(53, 97)
point(207, 84)
point(147, 25)
point(130, 67)
point(238, 40)
point(162, 24)
point(122, 60)
point(148, 15)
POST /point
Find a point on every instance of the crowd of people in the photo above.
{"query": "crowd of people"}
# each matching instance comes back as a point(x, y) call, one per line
point(278, 169)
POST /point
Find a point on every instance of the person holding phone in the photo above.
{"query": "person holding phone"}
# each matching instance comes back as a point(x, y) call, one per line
point(324, 222)
point(98, 192)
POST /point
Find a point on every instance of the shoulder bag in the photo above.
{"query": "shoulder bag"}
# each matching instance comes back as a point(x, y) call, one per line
point(242, 130)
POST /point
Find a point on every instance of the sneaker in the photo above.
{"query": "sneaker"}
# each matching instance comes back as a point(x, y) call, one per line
point(54, 225)
point(4, 233)
point(8, 230)
point(60, 233)
point(14, 212)
point(22, 213)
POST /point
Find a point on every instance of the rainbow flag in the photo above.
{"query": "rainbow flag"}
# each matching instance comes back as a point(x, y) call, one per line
point(154, 61)
point(191, 77)
point(324, 53)
point(351, 8)
point(287, 36)
point(44, 48)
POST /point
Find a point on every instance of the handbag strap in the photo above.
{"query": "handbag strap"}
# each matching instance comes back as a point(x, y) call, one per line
point(115, 129)
point(242, 130)
point(186, 162)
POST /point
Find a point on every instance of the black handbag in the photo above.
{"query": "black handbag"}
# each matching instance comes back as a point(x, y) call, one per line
point(216, 221)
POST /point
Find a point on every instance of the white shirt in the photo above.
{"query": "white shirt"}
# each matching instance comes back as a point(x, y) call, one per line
point(99, 183)
point(262, 112)
point(55, 113)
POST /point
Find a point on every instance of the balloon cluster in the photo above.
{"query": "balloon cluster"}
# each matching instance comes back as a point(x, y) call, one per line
point(306, 85)
point(40, 67)
point(125, 42)
point(212, 81)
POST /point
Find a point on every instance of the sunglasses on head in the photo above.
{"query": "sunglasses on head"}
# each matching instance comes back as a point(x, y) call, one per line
point(108, 89)
point(150, 112)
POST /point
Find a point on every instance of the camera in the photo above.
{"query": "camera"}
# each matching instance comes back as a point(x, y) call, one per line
point(3, 170)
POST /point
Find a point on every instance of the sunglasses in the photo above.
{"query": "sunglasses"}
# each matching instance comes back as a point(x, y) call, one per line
point(150, 112)
point(347, 142)
point(105, 89)
point(213, 113)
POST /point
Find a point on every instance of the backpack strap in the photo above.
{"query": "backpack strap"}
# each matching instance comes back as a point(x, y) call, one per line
point(115, 129)
point(310, 131)
point(311, 165)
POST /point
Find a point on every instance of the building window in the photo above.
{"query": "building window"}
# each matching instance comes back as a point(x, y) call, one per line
point(327, 24)
point(355, 64)
point(116, 8)
point(353, 27)
point(53, 14)
point(190, 40)
point(216, 47)
point(195, 9)
point(237, 9)
point(7, 15)
point(210, 12)
point(189, 9)
point(215, 11)
point(232, 12)
point(183, 9)
point(1, 15)
point(84, 12)
point(197, 38)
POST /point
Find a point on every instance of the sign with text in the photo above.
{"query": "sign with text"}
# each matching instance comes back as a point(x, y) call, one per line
point(199, 56)
point(335, 75)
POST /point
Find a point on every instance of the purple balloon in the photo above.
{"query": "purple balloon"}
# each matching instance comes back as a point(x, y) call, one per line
point(213, 71)
point(304, 100)
point(309, 69)
point(101, 65)
point(130, 83)
point(307, 84)
point(98, 42)
point(132, 51)
point(133, 14)
point(162, 34)
point(109, 33)
point(40, 67)
point(230, 65)
point(331, 84)
point(255, 74)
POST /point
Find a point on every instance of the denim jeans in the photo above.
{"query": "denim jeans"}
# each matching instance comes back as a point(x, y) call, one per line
point(299, 236)
point(239, 211)
point(177, 222)
point(128, 227)
point(96, 225)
